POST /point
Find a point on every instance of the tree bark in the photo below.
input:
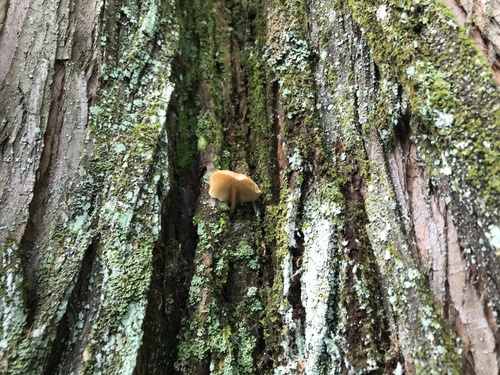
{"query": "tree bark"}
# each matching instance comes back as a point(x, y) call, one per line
point(369, 126)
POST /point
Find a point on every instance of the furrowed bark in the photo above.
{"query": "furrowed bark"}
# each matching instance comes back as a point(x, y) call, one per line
point(370, 127)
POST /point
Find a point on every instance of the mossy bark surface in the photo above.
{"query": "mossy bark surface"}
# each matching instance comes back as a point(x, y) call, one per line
point(371, 128)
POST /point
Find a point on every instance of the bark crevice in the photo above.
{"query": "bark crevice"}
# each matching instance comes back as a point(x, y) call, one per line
point(65, 352)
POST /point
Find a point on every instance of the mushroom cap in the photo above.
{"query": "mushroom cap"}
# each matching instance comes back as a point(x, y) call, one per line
point(221, 182)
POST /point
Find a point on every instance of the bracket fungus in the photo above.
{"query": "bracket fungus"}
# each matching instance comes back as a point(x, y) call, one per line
point(232, 187)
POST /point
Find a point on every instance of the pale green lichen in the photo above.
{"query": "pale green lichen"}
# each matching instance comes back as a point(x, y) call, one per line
point(429, 60)
point(130, 170)
point(452, 112)
point(406, 285)
point(318, 272)
point(11, 302)
point(126, 169)
point(214, 334)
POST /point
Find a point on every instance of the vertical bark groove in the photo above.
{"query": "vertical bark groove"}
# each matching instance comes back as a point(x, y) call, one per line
point(370, 127)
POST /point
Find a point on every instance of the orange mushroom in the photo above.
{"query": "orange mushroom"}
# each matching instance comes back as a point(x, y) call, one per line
point(232, 187)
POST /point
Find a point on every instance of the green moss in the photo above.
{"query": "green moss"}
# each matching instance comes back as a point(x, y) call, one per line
point(449, 86)
point(219, 334)
point(276, 247)
point(223, 331)
point(259, 117)
point(117, 201)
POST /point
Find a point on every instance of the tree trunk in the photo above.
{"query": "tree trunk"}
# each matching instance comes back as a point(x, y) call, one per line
point(371, 127)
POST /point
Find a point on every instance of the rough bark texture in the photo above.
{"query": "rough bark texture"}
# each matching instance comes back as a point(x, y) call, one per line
point(371, 127)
